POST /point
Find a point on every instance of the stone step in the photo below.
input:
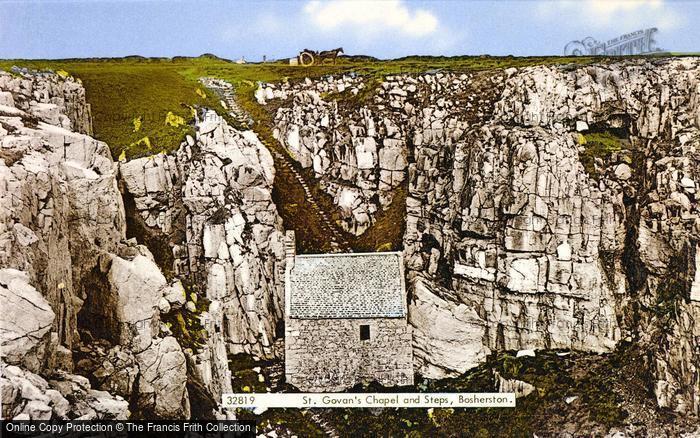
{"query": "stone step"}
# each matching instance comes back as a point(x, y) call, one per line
point(227, 92)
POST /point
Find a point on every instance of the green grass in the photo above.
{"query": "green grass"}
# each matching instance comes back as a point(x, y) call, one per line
point(597, 145)
point(126, 95)
point(124, 90)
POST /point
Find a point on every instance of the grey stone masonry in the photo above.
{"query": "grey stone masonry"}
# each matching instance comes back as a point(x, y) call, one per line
point(346, 320)
point(328, 354)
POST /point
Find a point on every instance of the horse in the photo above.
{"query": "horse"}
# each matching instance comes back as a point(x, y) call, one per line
point(330, 54)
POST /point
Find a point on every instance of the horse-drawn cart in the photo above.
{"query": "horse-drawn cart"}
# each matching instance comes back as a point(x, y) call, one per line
point(309, 57)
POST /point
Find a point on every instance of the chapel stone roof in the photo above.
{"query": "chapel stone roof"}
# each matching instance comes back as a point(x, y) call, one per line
point(369, 285)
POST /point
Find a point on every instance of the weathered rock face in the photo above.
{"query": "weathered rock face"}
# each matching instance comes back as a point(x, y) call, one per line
point(28, 396)
point(212, 200)
point(59, 197)
point(162, 389)
point(233, 240)
point(98, 308)
point(513, 240)
point(129, 279)
point(503, 215)
point(24, 330)
point(70, 279)
point(56, 100)
point(508, 220)
point(358, 154)
point(659, 105)
point(447, 335)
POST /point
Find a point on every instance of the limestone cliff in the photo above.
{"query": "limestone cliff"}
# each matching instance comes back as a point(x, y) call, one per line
point(652, 200)
point(357, 153)
point(61, 212)
point(549, 207)
point(211, 203)
point(91, 325)
point(524, 229)
point(229, 241)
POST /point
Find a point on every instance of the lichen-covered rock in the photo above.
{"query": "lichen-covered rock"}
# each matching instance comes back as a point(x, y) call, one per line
point(232, 237)
point(64, 396)
point(26, 321)
point(72, 281)
point(163, 375)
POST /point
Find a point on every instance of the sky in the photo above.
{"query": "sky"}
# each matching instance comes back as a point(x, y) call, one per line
point(53, 29)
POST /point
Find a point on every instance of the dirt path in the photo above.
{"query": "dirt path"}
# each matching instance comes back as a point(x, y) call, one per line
point(300, 211)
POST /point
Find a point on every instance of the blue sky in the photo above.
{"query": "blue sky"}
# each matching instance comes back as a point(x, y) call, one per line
point(384, 28)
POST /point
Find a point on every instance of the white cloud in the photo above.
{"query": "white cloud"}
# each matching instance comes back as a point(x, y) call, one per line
point(372, 17)
point(621, 15)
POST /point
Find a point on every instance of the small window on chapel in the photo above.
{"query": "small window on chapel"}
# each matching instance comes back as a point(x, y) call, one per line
point(364, 332)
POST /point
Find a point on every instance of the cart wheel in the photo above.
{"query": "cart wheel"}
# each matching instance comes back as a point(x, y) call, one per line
point(306, 59)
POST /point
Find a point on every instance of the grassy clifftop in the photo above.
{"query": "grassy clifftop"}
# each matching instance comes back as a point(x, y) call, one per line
point(143, 106)
point(139, 108)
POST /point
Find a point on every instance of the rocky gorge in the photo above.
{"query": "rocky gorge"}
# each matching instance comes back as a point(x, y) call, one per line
point(547, 208)
point(517, 235)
